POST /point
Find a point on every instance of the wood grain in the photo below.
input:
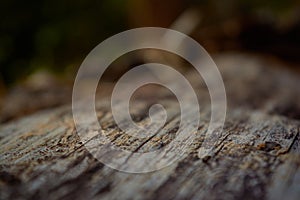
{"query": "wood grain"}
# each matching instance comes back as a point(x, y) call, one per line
point(257, 157)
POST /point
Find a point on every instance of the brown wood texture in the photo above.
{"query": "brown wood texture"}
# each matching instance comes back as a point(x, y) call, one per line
point(257, 156)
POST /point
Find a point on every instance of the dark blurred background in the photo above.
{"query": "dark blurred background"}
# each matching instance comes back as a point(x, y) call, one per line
point(43, 43)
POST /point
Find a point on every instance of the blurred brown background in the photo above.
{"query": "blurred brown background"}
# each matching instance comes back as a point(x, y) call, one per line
point(43, 43)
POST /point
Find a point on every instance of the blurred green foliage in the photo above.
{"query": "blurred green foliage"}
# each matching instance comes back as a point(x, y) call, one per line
point(53, 34)
point(57, 35)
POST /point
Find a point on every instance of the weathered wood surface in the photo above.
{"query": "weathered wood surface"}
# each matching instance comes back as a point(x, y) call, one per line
point(258, 157)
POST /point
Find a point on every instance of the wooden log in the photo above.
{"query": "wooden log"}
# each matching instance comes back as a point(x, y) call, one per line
point(257, 156)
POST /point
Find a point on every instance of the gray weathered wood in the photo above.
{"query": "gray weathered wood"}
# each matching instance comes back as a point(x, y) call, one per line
point(258, 156)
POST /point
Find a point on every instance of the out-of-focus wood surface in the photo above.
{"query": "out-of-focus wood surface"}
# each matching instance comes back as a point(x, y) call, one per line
point(258, 156)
